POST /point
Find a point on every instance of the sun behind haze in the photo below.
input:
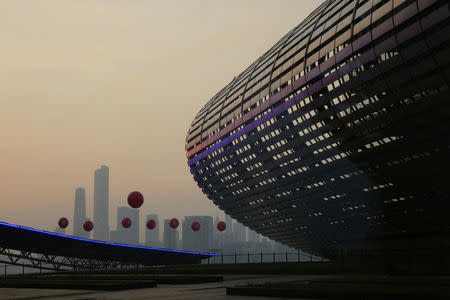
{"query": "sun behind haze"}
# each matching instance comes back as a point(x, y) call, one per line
point(85, 83)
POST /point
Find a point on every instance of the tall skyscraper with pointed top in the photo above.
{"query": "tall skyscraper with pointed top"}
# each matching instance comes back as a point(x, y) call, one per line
point(101, 199)
point(79, 213)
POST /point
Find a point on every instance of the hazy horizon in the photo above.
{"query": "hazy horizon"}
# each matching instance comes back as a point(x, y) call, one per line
point(117, 83)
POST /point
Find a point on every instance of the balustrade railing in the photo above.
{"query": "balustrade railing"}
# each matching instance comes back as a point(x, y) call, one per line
point(261, 257)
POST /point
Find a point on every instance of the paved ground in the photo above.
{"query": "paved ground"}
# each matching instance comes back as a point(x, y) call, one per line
point(167, 292)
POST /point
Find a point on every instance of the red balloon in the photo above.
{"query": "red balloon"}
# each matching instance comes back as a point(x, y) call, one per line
point(174, 223)
point(63, 222)
point(135, 199)
point(151, 224)
point(88, 225)
point(221, 226)
point(195, 226)
point(126, 222)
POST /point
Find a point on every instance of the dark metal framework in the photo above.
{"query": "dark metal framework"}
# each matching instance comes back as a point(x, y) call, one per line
point(338, 136)
point(54, 262)
point(35, 248)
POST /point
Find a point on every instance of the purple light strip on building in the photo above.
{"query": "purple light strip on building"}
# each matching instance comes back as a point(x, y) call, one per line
point(273, 113)
point(348, 67)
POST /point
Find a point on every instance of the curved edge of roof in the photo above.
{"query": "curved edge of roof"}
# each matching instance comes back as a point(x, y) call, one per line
point(101, 242)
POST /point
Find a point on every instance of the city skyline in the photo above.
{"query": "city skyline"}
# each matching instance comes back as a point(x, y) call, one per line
point(242, 147)
point(206, 238)
point(101, 175)
point(118, 89)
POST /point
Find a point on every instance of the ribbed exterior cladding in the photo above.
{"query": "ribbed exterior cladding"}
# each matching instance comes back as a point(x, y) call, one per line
point(338, 136)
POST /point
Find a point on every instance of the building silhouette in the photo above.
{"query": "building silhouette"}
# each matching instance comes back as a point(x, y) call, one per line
point(79, 213)
point(101, 205)
point(239, 232)
point(218, 237)
point(252, 236)
point(201, 240)
point(177, 239)
point(152, 236)
point(128, 235)
point(229, 223)
point(333, 139)
point(216, 220)
point(170, 236)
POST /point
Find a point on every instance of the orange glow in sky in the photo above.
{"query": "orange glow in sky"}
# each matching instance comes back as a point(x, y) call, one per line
point(86, 83)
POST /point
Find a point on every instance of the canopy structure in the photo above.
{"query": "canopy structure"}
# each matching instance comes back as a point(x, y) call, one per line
point(30, 240)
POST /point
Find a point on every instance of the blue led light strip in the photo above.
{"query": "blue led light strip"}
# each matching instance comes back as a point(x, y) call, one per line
point(101, 242)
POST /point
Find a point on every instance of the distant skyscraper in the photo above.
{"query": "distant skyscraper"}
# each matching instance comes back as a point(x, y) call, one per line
point(201, 240)
point(101, 198)
point(239, 232)
point(229, 222)
point(79, 213)
point(228, 236)
point(253, 236)
point(177, 239)
point(128, 235)
point(217, 235)
point(152, 236)
point(170, 236)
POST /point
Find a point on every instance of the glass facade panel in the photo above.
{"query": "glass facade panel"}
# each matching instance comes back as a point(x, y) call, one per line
point(335, 156)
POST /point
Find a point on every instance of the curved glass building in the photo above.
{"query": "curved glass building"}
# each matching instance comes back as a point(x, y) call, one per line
point(338, 137)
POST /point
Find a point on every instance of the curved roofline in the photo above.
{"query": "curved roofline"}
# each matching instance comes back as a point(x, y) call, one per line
point(101, 242)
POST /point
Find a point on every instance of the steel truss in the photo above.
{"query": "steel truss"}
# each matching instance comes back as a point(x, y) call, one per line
point(54, 262)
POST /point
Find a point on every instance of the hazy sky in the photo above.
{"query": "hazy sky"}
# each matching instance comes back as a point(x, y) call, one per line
point(117, 82)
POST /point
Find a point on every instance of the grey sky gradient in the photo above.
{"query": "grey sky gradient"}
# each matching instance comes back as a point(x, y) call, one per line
point(117, 82)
